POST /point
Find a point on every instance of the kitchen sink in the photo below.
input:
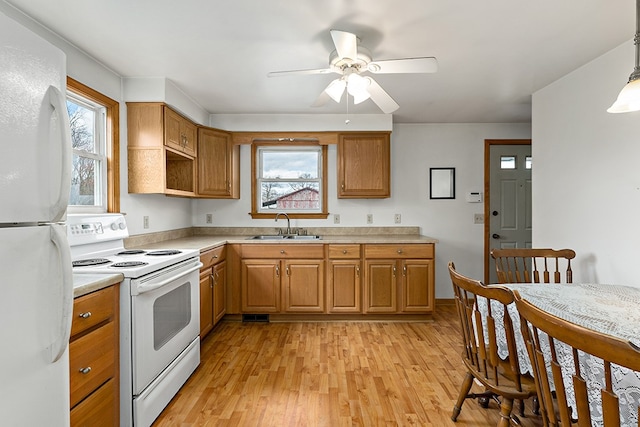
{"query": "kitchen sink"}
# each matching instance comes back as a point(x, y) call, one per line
point(285, 236)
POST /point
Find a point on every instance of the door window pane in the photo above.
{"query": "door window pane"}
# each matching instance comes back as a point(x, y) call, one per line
point(527, 162)
point(507, 162)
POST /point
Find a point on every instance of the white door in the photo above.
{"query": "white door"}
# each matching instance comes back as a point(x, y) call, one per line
point(36, 296)
point(510, 199)
point(35, 142)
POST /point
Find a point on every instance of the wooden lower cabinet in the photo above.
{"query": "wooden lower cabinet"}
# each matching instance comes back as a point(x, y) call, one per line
point(94, 359)
point(303, 286)
point(399, 278)
point(282, 278)
point(289, 286)
point(260, 286)
point(344, 286)
point(213, 284)
point(337, 279)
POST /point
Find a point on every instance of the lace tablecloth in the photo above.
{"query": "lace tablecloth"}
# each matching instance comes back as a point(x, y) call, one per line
point(610, 309)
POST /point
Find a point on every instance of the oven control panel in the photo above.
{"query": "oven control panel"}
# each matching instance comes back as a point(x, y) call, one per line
point(85, 229)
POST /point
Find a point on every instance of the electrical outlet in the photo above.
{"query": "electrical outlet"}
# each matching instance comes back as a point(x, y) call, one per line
point(336, 218)
point(145, 222)
point(397, 218)
point(369, 218)
point(478, 218)
point(209, 219)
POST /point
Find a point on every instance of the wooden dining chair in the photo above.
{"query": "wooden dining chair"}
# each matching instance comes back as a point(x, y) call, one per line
point(533, 265)
point(549, 365)
point(501, 378)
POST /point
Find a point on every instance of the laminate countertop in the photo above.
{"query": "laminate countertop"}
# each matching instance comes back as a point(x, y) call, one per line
point(206, 242)
point(86, 283)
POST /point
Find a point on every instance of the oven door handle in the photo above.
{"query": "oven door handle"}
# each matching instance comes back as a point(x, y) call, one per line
point(140, 289)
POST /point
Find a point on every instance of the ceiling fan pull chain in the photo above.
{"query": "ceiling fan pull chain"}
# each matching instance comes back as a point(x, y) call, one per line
point(347, 121)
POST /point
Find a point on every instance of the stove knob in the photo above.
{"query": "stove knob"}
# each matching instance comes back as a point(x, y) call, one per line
point(114, 226)
point(122, 226)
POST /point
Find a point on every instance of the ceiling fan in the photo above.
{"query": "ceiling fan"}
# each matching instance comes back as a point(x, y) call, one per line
point(351, 61)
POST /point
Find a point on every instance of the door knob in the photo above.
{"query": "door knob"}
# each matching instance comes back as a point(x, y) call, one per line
point(494, 213)
point(495, 236)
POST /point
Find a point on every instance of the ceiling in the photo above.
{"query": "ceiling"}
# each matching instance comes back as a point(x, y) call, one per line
point(492, 54)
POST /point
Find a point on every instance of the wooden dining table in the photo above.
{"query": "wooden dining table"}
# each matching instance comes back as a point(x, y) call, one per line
point(607, 308)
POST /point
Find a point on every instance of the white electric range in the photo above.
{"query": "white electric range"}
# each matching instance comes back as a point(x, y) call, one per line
point(159, 311)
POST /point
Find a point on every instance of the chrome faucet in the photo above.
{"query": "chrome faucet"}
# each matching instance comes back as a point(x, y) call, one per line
point(288, 221)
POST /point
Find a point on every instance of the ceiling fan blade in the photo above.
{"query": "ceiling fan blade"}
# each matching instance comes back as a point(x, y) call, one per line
point(300, 72)
point(427, 64)
point(381, 98)
point(322, 99)
point(346, 44)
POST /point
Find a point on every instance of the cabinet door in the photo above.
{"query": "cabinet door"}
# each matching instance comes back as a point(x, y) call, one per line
point(206, 302)
point(417, 285)
point(380, 286)
point(189, 137)
point(179, 133)
point(219, 291)
point(260, 285)
point(364, 165)
point(344, 286)
point(303, 286)
point(218, 165)
point(172, 131)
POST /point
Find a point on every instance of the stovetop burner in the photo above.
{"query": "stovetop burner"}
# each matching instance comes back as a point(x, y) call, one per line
point(90, 262)
point(131, 252)
point(128, 264)
point(164, 252)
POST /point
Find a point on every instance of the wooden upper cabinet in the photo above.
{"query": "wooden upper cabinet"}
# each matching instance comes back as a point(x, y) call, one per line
point(218, 165)
point(364, 165)
point(179, 132)
point(156, 164)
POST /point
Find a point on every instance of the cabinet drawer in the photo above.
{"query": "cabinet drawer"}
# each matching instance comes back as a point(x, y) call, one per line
point(99, 409)
point(212, 256)
point(344, 251)
point(410, 250)
point(94, 351)
point(91, 309)
point(282, 251)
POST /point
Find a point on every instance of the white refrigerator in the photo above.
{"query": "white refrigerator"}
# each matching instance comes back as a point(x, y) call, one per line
point(36, 282)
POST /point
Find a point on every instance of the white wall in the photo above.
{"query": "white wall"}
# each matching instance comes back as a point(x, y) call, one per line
point(414, 149)
point(586, 180)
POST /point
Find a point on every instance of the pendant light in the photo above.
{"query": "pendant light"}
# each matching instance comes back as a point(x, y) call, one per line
point(629, 97)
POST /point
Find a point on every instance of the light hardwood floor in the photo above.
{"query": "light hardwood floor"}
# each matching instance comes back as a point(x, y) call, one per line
point(330, 374)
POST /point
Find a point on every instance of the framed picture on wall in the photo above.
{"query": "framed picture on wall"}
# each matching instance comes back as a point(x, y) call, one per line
point(442, 183)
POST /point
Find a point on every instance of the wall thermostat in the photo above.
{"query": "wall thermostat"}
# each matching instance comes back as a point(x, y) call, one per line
point(474, 197)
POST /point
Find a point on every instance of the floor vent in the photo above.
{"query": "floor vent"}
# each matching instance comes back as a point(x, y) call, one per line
point(255, 318)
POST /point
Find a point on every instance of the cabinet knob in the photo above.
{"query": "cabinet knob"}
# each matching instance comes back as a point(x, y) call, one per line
point(85, 315)
point(399, 251)
point(215, 256)
point(86, 370)
point(282, 251)
point(344, 251)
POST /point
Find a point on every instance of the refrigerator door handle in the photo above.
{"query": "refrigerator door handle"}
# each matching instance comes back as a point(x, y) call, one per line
point(59, 239)
point(58, 102)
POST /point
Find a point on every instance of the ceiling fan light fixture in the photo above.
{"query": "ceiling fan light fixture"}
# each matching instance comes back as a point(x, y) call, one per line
point(629, 98)
point(357, 87)
point(336, 89)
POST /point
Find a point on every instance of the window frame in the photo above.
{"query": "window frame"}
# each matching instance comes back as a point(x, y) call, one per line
point(112, 145)
point(255, 187)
